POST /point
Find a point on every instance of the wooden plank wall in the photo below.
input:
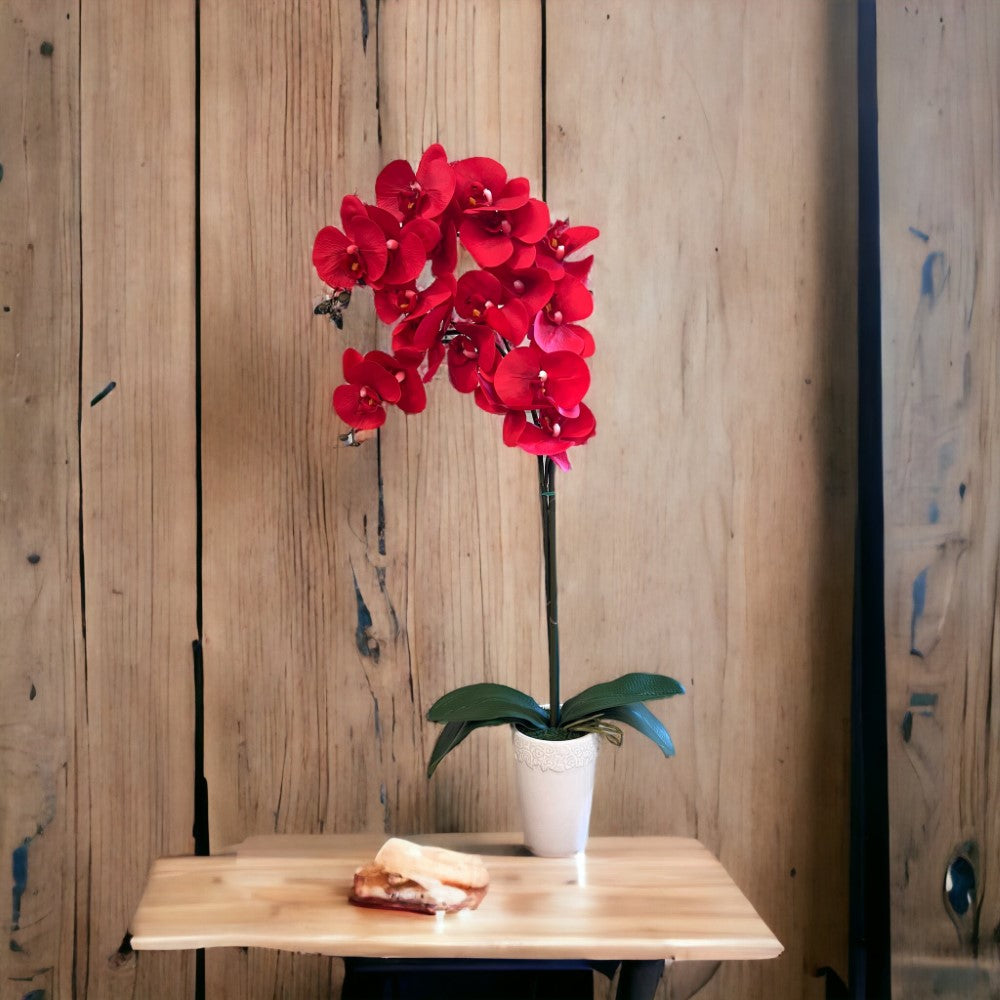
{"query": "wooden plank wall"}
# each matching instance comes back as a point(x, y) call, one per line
point(337, 604)
point(720, 489)
point(99, 505)
point(137, 469)
point(706, 532)
point(939, 91)
point(289, 118)
point(42, 662)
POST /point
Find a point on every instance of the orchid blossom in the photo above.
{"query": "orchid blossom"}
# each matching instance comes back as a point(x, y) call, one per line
point(510, 330)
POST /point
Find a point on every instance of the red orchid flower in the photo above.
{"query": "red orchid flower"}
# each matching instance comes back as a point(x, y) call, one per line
point(444, 258)
point(486, 399)
point(427, 231)
point(528, 378)
point(494, 238)
point(531, 285)
point(432, 361)
point(406, 246)
point(553, 435)
point(473, 347)
point(412, 395)
point(480, 297)
point(485, 396)
point(396, 301)
point(370, 385)
point(579, 269)
point(482, 183)
point(500, 223)
point(555, 327)
point(559, 244)
point(424, 194)
point(406, 300)
point(414, 337)
point(358, 254)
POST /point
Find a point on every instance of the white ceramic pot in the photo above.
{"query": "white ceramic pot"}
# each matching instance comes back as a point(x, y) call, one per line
point(555, 786)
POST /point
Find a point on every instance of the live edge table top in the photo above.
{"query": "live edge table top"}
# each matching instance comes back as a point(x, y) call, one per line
point(636, 898)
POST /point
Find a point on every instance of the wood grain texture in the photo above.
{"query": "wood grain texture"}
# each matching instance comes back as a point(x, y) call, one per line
point(289, 124)
point(626, 898)
point(708, 530)
point(137, 448)
point(337, 606)
point(463, 550)
point(939, 86)
point(288, 121)
point(43, 836)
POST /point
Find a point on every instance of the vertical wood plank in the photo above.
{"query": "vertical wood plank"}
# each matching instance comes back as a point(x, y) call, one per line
point(708, 530)
point(41, 636)
point(463, 561)
point(137, 447)
point(289, 123)
point(938, 91)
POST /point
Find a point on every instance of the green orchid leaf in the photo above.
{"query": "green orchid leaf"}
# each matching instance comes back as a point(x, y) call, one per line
point(454, 733)
point(628, 690)
point(449, 738)
point(641, 718)
point(483, 702)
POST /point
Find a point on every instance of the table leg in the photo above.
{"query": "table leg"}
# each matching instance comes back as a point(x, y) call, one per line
point(639, 980)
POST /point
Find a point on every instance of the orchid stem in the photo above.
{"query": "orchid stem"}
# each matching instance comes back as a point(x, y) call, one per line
point(547, 496)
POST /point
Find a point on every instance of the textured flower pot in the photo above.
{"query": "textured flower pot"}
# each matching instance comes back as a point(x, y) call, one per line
point(555, 786)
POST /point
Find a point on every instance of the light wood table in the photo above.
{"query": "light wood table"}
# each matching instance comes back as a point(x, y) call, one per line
point(627, 898)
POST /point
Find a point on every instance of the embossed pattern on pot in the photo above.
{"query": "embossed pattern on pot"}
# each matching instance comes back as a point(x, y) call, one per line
point(554, 755)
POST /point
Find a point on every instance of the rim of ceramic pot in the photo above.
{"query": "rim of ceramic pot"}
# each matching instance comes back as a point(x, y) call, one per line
point(554, 755)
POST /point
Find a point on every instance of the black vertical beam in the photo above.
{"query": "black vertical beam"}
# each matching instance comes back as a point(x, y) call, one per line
point(545, 106)
point(200, 831)
point(869, 906)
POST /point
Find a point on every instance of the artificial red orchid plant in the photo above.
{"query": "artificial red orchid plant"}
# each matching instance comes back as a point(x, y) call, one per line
point(509, 329)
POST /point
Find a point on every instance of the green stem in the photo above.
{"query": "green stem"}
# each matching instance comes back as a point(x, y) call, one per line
point(547, 495)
